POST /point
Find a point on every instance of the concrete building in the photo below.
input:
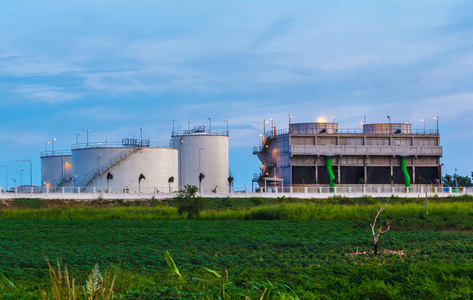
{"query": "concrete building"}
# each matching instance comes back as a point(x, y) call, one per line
point(202, 151)
point(319, 154)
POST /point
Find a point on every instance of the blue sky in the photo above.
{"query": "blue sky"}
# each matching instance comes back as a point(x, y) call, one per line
point(116, 66)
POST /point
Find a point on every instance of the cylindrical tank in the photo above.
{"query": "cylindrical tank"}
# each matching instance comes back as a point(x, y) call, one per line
point(56, 169)
point(205, 152)
point(312, 128)
point(387, 128)
point(125, 164)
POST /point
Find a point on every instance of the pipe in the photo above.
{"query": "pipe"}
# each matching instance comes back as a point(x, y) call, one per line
point(330, 172)
point(407, 178)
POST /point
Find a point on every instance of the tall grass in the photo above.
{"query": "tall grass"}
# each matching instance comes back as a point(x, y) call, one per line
point(289, 211)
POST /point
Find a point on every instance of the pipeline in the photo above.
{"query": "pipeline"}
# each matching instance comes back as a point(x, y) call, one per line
point(407, 178)
point(330, 172)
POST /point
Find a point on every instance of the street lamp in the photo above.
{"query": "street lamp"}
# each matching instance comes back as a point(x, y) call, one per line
point(141, 136)
point(437, 119)
point(290, 118)
point(88, 130)
point(226, 121)
point(389, 118)
point(6, 177)
point(333, 119)
point(21, 176)
point(77, 138)
point(199, 156)
point(423, 120)
point(53, 144)
point(210, 125)
point(188, 125)
point(31, 170)
point(105, 138)
point(264, 127)
point(47, 143)
point(271, 123)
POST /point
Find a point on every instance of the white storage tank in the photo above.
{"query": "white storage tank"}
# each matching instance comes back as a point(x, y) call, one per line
point(203, 151)
point(125, 161)
point(56, 169)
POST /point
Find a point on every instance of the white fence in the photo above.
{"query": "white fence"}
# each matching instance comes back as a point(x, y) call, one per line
point(296, 192)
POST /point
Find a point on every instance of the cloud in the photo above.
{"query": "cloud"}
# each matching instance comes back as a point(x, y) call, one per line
point(46, 94)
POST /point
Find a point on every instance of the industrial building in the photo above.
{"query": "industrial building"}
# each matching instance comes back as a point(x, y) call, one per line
point(319, 154)
point(205, 151)
point(56, 169)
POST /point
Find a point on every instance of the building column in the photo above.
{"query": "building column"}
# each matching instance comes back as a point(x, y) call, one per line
point(365, 169)
point(316, 170)
point(413, 173)
point(338, 171)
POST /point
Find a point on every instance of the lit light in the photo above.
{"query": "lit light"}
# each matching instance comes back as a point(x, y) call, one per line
point(266, 122)
point(422, 120)
point(321, 120)
point(435, 118)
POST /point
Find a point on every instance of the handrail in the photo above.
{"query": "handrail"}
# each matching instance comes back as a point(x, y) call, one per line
point(199, 132)
point(55, 153)
point(125, 143)
point(58, 181)
point(107, 165)
point(270, 133)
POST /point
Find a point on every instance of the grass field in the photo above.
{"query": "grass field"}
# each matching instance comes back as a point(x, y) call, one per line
point(305, 249)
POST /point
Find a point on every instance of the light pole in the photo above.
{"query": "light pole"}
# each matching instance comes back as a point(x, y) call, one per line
point(173, 120)
point(53, 144)
point(88, 130)
point(97, 179)
point(389, 118)
point(199, 157)
point(423, 120)
point(333, 119)
point(47, 147)
point(105, 138)
point(21, 176)
point(6, 177)
point(77, 138)
point(141, 136)
point(290, 118)
point(226, 121)
point(264, 127)
point(271, 119)
point(31, 169)
point(210, 125)
point(437, 119)
point(188, 125)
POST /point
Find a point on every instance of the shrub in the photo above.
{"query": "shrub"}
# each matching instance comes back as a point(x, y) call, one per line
point(188, 203)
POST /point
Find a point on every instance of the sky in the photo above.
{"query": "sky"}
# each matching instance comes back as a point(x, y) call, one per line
point(114, 67)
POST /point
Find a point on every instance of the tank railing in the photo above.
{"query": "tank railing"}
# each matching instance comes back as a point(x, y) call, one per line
point(122, 144)
point(203, 132)
point(101, 169)
point(62, 178)
point(55, 153)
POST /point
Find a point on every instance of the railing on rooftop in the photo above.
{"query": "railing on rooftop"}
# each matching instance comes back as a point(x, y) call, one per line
point(124, 143)
point(55, 153)
point(199, 130)
point(270, 133)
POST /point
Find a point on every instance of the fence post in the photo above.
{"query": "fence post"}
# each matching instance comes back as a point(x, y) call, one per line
point(94, 191)
point(305, 191)
point(63, 188)
point(16, 191)
point(450, 190)
point(349, 190)
point(290, 190)
point(246, 190)
point(364, 190)
point(393, 190)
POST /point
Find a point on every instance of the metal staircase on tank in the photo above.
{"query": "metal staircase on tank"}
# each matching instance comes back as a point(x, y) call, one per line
point(83, 183)
point(60, 180)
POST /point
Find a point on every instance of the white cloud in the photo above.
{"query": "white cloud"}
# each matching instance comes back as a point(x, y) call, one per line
point(47, 94)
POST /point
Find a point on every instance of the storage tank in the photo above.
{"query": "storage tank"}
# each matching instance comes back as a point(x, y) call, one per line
point(203, 151)
point(388, 128)
point(125, 161)
point(313, 128)
point(56, 169)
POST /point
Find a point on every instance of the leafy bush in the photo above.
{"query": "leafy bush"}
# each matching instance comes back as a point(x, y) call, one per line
point(188, 203)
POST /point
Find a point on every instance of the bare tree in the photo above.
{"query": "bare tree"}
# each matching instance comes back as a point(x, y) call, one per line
point(380, 231)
